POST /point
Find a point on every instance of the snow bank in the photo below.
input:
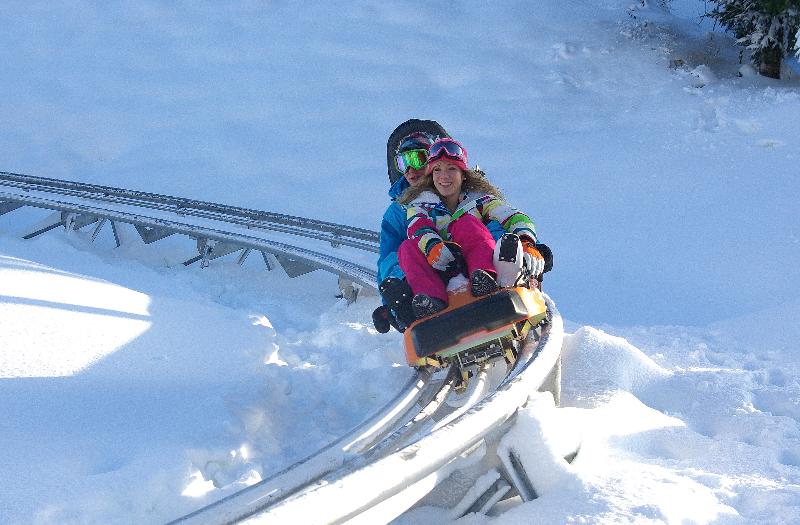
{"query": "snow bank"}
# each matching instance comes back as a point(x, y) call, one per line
point(183, 383)
point(596, 363)
point(539, 444)
point(600, 373)
point(711, 418)
point(73, 321)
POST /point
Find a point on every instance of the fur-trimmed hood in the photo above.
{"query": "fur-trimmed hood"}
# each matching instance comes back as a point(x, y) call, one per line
point(426, 197)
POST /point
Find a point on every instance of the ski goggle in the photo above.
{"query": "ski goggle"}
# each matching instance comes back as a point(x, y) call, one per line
point(449, 148)
point(413, 158)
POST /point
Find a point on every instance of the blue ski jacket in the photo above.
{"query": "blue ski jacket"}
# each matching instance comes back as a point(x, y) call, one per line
point(393, 233)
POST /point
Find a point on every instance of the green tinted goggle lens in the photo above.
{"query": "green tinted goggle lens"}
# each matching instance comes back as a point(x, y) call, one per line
point(413, 158)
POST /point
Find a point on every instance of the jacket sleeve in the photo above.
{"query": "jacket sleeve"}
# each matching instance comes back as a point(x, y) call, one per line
point(490, 208)
point(422, 229)
point(496, 229)
point(393, 232)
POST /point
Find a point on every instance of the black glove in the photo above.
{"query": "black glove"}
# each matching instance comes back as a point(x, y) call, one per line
point(455, 267)
point(547, 253)
point(380, 319)
point(397, 296)
point(534, 260)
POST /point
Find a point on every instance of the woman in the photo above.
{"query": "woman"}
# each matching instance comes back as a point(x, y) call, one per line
point(455, 204)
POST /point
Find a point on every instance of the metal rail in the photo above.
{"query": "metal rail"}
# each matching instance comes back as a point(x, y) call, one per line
point(348, 477)
point(156, 217)
point(378, 491)
point(328, 231)
point(218, 229)
point(420, 391)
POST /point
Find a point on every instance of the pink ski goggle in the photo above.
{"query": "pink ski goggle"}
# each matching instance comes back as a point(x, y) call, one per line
point(447, 148)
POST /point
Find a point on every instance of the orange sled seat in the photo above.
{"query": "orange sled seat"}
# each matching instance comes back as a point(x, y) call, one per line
point(472, 329)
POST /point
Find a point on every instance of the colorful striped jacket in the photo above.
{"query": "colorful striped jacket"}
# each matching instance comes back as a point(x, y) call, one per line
point(428, 219)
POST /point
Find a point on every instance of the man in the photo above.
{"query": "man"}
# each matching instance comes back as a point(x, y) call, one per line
point(407, 158)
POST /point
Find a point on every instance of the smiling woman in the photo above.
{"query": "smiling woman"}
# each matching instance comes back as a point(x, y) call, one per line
point(456, 210)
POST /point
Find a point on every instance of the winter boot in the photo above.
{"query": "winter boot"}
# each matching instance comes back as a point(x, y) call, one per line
point(396, 294)
point(424, 305)
point(482, 283)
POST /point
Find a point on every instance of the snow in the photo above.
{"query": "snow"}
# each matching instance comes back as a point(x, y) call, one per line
point(134, 390)
point(145, 383)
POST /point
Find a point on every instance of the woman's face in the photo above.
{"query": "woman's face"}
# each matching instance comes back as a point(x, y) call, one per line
point(447, 178)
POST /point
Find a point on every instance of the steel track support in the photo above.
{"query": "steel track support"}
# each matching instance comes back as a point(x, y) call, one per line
point(477, 501)
point(97, 228)
point(209, 250)
point(151, 234)
point(294, 267)
point(243, 256)
point(115, 231)
point(52, 222)
point(265, 256)
point(516, 474)
point(9, 206)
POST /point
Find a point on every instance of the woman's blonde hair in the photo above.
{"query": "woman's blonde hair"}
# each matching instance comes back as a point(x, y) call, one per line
point(474, 180)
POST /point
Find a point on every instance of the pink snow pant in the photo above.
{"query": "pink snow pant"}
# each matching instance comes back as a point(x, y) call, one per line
point(477, 246)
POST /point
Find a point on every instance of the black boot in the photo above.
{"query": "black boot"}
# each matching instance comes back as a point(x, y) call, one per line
point(482, 283)
point(424, 305)
point(397, 295)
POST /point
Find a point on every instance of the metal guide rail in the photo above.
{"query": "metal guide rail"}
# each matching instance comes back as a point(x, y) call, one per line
point(382, 478)
point(221, 230)
point(335, 233)
point(417, 436)
point(218, 229)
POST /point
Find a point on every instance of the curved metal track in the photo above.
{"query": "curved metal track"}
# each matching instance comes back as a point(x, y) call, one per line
point(362, 492)
point(416, 436)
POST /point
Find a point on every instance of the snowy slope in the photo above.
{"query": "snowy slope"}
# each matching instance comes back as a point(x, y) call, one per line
point(571, 108)
point(132, 381)
point(134, 390)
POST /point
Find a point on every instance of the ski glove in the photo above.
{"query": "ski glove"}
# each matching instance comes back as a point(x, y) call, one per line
point(441, 257)
point(533, 259)
point(455, 266)
point(547, 253)
point(381, 319)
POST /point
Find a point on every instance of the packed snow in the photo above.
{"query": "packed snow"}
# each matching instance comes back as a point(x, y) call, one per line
point(661, 170)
